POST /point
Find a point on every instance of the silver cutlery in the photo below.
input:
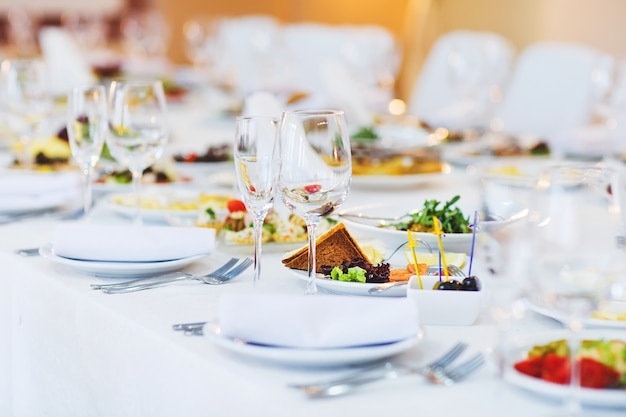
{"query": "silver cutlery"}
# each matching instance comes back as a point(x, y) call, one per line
point(27, 251)
point(190, 329)
point(381, 220)
point(432, 270)
point(444, 360)
point(439, 376)
point(225, 273)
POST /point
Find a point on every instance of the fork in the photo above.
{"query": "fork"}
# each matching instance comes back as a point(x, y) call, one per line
point(441, 362)
point(220, 276)
point(439, 376)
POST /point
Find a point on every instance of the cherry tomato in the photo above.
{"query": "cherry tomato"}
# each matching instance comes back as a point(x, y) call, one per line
point(312, 188)
point(191, 157)
point(235, 205)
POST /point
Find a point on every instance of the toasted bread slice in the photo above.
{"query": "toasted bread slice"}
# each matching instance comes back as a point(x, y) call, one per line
point(332, 248)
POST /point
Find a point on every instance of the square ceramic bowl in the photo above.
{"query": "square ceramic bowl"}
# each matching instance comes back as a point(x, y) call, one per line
point(443, 307)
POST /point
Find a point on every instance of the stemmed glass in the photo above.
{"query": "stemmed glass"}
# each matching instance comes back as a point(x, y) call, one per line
point(256, 173)
point(502, 253)
point(86, 129)
point(25, 96)
point(577, 255)
point(315, 169)
point(138, 129)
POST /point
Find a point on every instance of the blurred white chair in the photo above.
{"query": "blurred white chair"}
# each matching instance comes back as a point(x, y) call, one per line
point(246, 52)
point(365, 56)
point(461, 79)
point(552, 93)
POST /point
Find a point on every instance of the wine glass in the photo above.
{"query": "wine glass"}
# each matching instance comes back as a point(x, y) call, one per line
point(86, 129)
point(577, 256)
point(256, 173)
point(26, 98)
point(138, 129)
point(315, 169)
point(501, 252)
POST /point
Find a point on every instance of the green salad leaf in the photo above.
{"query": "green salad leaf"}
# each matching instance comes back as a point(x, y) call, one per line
point(452, 218)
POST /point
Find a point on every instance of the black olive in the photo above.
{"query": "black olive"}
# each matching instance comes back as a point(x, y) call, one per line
point(450, 285)
point(471, 284)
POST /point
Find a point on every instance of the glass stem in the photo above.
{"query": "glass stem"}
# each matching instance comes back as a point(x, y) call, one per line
point(575, 327)
point(258, 242)
point(87, 195)
point(137, 175)
point(27, 162)
point(311, 227)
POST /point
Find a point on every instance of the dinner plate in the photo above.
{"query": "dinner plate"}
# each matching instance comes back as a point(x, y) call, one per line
point(399, 181)
point(588, 322)
point(589, 396)
point(362, 227)
point(348, 288)
point(118, 269)
point(112, 202)
point(310, 357)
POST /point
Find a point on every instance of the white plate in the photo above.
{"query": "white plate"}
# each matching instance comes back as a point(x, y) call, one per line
point(399, 181)
point(155, 215)
point(596, 397)
point(118, 269)
point(349, 288)
point(588, 322)
point(311, 357)
point(507, 211)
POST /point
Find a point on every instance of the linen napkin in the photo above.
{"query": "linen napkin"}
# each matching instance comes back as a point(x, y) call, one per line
point(320, 321)
point(126, 243)
point(25, 190)
point(262, 104)
point(67, 66)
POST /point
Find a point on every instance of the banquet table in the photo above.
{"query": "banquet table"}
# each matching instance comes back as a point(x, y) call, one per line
point(67, 350)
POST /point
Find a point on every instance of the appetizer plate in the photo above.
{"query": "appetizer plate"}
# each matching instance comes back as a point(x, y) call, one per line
point(595, 397)
point(310, 357)
point(588, 322)
point(159, 201)
point(399, 181)
point(359, 221)
point(118, 269)
point(348, 288)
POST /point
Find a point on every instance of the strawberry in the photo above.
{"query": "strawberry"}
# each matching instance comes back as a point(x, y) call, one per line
point(312, 188)
point(556, 368)
point(235, 205)
point(531, 366)
point(594, 374)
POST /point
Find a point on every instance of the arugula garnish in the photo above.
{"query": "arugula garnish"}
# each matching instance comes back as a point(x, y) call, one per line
point(452, 218)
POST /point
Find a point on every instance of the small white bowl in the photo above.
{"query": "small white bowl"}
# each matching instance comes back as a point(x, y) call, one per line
point(443, 307)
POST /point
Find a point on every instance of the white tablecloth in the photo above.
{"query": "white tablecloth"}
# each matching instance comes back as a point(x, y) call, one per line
point(67, 350)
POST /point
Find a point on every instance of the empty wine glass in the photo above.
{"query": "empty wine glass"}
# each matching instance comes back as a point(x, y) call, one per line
point(86, 129)
point(577, 256)
point(138, 128)
point(26, 98)
point(315, 169)
point(256, 173)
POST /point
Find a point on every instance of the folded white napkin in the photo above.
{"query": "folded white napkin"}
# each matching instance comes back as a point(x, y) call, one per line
point(320, 321)
point(125, 243)
point(36, 190)
point(68, 67)
point(262, 104)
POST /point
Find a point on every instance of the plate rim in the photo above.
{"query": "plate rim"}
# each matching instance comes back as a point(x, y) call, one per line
point(360, 288)
point(312, 357)
point(590, 396)
point(117, 269)
point(587, 322)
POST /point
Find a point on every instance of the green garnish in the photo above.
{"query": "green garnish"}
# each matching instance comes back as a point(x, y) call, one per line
point(366, 132)
point(452, 219)
point(210, 212)
point(355, 274)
